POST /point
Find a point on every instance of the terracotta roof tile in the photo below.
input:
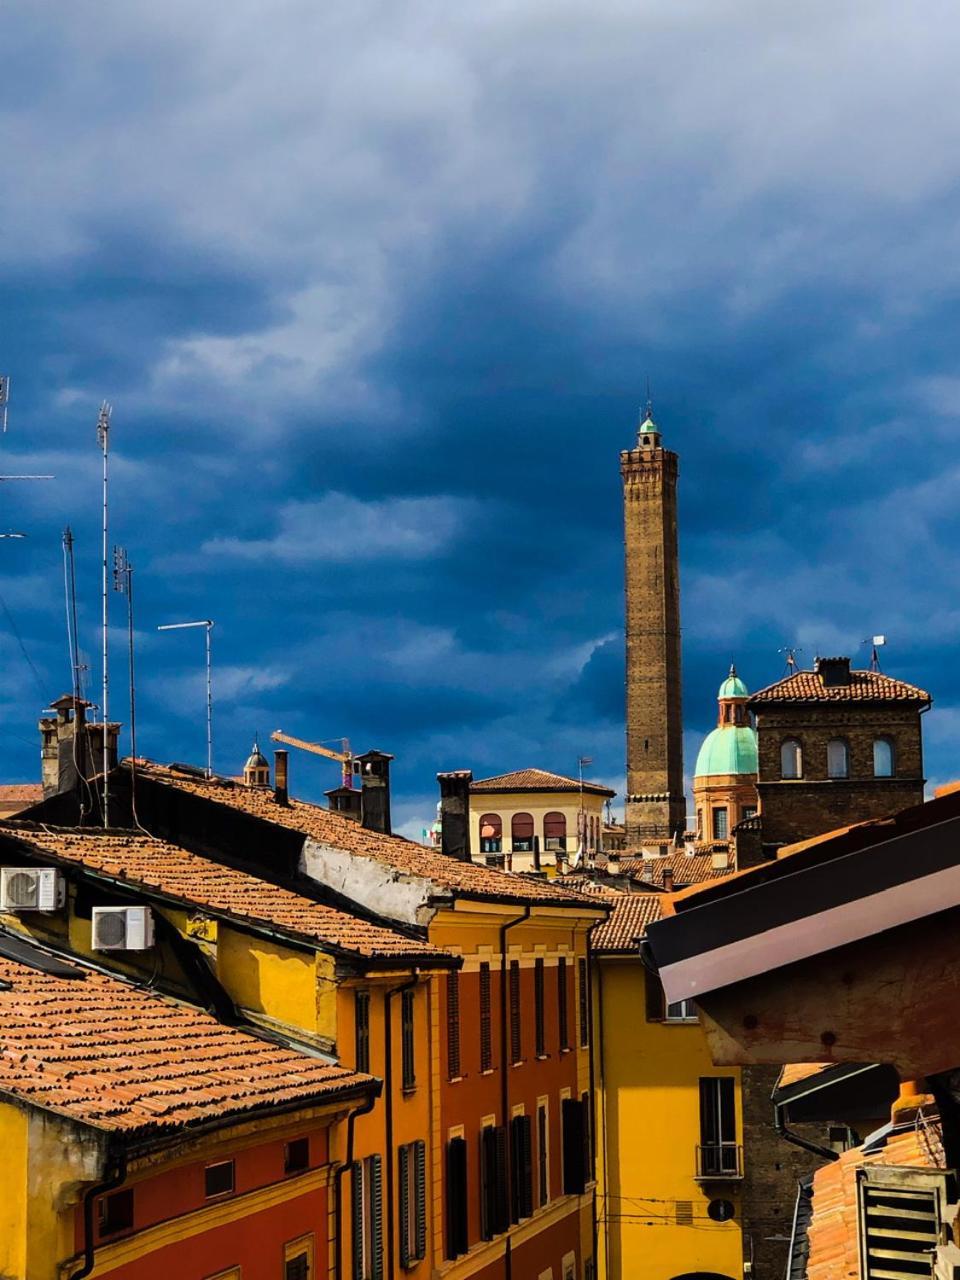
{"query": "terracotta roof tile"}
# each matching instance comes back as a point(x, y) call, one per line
point(537, 780)
point(688, 869)
point(21, 792)
point(115, 1056)
point(794, 1072)
point(201, 882)
point(628, 922)
point(864, 686)
point(468, 879)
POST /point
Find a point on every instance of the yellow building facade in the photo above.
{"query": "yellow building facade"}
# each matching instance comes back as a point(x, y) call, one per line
point(669, 1131)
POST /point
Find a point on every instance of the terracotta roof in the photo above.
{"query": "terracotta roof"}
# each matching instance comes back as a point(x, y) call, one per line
point(187, 877)
point(537, 780)
point(833, 1232)
point(628, 922)
point(864, 686)
point(118, 1057)
point(17, 792)
point(466, 879)
point(595, 888)
point(794, 1072)
point(687, 869)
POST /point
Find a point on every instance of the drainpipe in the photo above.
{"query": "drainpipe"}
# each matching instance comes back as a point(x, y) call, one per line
point(606, 1167)
point(388, 1086)
point(780, 1125)
point(342, 1168)
point(118, 1160)
point(593, 1094)
point(504, 1076)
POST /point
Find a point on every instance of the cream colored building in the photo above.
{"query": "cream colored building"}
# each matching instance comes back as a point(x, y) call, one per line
point(532, 820)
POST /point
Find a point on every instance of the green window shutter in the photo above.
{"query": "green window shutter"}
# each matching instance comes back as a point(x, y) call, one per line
point(376, 1217)
point(405, 1255)
point(356, 1240)
point(420, 1196)
point(453, 1025)
point(516, 1039)
point(486, 1033)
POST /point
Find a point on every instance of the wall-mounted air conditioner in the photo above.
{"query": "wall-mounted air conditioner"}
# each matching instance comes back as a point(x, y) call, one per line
point(31, 889)
point(122, 928)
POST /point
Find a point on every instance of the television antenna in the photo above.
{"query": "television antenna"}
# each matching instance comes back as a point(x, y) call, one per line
point(103, 439)
point(876, 643)
point(4, 405)
point(790, 652)
point(208, 624)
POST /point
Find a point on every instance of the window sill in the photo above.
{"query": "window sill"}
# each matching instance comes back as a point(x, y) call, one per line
point(489, 1071)
point(519, 1062)
point(565, 1049)
point(543, 1057)
point(408, 1090)
point(455, 1079)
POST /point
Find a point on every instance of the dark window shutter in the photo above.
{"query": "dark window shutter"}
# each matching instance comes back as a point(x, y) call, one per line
point(420, 1196)
point(501, 1216)
point(405, 1255)
point(584, 1004)
point(356, 1242)
point(562, 1003)
point(586, 1105)
point(453, 1025)
point(538, 993)
point(361, 1004)
point(488, 1167)
point(407, 1007)
point(516, 1045)
point(486, 1041)
point(521, 1167)
point(574, 1180)
point(543, 1166)
point(456, 1197)
point(376, 1217)
point(656, 1007)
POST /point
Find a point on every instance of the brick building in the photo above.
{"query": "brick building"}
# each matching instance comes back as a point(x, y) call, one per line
point(836, 746)
point(655, 804)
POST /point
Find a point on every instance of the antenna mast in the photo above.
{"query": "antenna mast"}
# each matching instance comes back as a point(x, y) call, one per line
point(207, 623)
point(70, 592)
point(103, 439)
point(123, 582)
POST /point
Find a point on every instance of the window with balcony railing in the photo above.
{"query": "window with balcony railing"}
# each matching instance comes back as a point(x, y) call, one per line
point(718, 1154)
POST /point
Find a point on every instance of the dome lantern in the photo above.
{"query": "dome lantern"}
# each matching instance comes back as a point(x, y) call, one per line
point(256, 772)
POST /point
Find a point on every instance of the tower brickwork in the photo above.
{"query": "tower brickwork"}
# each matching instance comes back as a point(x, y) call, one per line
point(655, 805)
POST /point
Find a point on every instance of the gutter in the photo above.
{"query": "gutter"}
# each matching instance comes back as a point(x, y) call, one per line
point(341, 1169)
point(118, 1160)
point(388, 1086)
point(505, 1080)
point(780, 1125)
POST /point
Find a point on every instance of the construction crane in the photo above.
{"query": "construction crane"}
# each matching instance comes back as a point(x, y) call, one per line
point(344, 755)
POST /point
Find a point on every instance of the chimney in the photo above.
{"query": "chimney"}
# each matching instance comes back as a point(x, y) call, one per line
point(719, 860)
point(71, 748)
point(455, 813)
point(668, 879)
point(374, 771)
point(834, 673)
point(280, 792)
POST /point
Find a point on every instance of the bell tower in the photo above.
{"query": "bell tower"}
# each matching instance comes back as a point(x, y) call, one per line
point(655, 804)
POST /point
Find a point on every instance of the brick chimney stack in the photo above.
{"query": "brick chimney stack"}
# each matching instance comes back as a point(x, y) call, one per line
point(455, 813)
point(71, 748)
point(374, 770)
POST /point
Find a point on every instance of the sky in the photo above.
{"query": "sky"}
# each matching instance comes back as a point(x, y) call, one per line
point(375, 291)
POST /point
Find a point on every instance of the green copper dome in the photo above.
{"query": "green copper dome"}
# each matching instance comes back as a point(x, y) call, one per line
point(729, 749)
point(733, 686)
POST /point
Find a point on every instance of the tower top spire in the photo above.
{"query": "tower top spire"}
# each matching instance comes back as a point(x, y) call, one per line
point(648, 433)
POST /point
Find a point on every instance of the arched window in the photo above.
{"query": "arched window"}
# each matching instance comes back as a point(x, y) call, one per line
point(791, 759)
point(554, 831)
point(838, 758)
point(883, 764)
point(521, 832)
point(491, 833)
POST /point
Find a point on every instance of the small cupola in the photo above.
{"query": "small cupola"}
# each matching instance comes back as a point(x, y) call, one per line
point(256, 772)
point(648, 433)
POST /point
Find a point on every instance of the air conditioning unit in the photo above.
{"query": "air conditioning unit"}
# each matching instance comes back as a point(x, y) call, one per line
point(122, 928)
point(31, 889)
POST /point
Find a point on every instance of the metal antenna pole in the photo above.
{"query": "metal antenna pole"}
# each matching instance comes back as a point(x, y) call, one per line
point(103, 439)
point(4, 399)
point(208, 623)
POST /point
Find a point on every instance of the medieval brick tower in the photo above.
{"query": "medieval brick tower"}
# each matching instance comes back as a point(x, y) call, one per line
point(655, 808)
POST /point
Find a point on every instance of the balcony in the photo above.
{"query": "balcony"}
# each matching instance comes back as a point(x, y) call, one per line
point(719, 1162)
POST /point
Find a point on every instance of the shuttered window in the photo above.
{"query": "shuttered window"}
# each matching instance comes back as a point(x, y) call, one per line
point(413, 1203)
point(543, 1155)
point(521, 1167)
point(574, 1172)
point(516, 1038)
point(538, 1001)
point(361, 1010)
point(494, 1182)
point(367, 1219)
point(456, 1198)
point(584, 1004)
point(407, 1009)
point(899, 1223)
point(562, 1005)
point(486, 1038)
point(453, 1025)
point(297, 1259)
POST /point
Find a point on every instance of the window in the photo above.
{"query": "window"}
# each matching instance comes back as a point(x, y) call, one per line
point(719, 1155)
point(494, 1208)
point(838, 758)
point(562, 1011)
point(720, 824)
point(883, 764)
point(407, 1008)
point(900, 1212)
point(568, 1267)
point(115, 1213)
point(367, 1224)
point(456, 1202)
point(543, 1155)
point(521, 1167)
point(486, 1034)
point(682, 1011)
point(574, 1146)
point(538, 1004)
point(791, 759)
point(554, 831)
point(361, 1013)
point(413, 1203)
point(453, 1025)
point(521, 833)
point(218, 1179)
point(584, 1003)
point(749, 811)
point(298, 1259)
point(491, 833)
point(516, 1038)
point(296, 1155)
